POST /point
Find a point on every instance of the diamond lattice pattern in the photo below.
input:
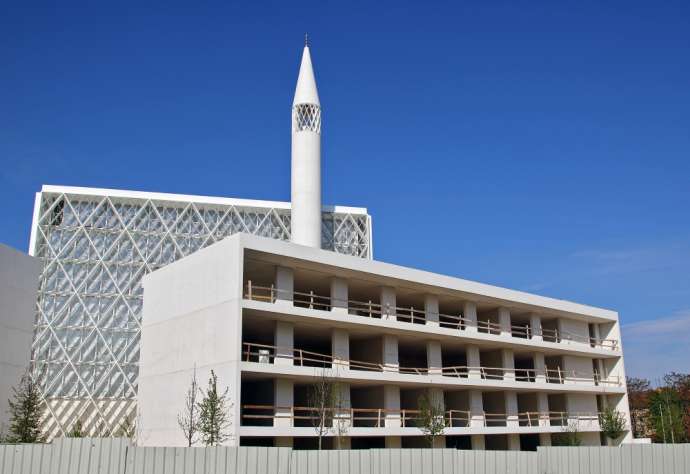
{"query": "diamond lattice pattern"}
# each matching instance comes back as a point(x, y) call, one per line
point(95, 251)
point(306, 117)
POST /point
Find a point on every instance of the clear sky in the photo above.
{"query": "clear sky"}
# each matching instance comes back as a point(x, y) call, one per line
point(543, 146)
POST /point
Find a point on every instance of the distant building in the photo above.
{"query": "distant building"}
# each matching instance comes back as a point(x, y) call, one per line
point(18, 280)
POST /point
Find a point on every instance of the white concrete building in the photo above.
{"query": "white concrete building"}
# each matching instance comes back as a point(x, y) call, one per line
point(271, 317)
point(18, 281)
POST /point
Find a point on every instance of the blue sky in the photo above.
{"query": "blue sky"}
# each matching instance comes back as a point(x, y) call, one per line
point(543, 146)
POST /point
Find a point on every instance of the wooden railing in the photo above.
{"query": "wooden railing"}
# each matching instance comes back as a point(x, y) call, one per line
point(406, 418)
point(264, 353)
point(411, 314)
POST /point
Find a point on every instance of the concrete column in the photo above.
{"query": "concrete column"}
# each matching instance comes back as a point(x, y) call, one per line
point(391, 402)
point(478, 442)
point(389, 349)
point(285, 285)
point(431, 310)
point(341, 420)
point(535, 327)
point(511, 403)
point(504, 321)
point(543, 408)
point(283, 399)
point(469, 312)
point(388, 303)
point(476, 408)
point(339, 295)
point(597, 332)
point(544, 439)
point(434, 357)
point(513, 442)
point(284, 340)
point(393, 442)
point(601, 370)
point(283, 442)
point(473, 361)
point(340, 348)
point(342, 442)
point(508, 358)
point(539, 367)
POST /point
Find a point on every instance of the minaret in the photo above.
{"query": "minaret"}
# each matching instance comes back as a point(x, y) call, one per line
point(306, 157)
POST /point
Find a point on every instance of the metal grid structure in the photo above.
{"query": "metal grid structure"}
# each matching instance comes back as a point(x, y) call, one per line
point(95, 248)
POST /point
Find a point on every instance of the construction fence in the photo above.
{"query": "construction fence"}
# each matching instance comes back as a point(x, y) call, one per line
point(118, 456)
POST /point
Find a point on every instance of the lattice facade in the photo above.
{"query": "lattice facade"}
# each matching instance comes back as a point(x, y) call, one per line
point(95, 251)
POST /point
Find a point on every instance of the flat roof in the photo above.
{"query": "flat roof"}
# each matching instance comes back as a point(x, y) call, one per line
point(127, 194)
point(433, 281)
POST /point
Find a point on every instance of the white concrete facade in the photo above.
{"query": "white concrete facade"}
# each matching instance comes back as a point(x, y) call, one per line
point(18, 282)
point(273, 316)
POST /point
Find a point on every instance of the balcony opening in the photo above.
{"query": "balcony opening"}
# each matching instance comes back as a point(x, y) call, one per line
point(488, 322)
point(257, 400)
point(554, 369)
point(558, 410)
point(414, 442)
point(410, 307)
point(454, 361)
point(364, 299)
point(258, 338)
point(491, 362)
point(459, 442)
point(312, 347)
point(312, 290)
point(412, 358)
point(528, 409)
point(367, 406)
point(520, 326)
point(259, 280)
point(304, 416)
point(311, 443)
point(496, 442)
point(549, 330)
point(450, 314)
point(367, 442)
point(494, 408)
point(365, 352)
point(457, 407)
point(529, 442)
point(257, 441)
point(409, 404)
point(524, 367)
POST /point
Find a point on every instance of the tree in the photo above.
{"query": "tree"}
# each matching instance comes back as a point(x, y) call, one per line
point(25, 412)
point(322, 397)
point(666, 416)
point(612, 423)
point(638, 399)
point(188, 419)
point(77, 430)
point(431, 417)
point(214, 414)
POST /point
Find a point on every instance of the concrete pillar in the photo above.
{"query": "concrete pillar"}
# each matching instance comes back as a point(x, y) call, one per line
point(284, 340)
point(439, 442)
point(535, 327)
point(469, 312)
point(601, 370)
point(544, 439)
point(393, 442)
point(339, 295)
point(388, 303)
point(539, 367)
point(340, 348)
point(285, 285)
point(391, 402)
point(341, 420)
point(389, 356)
point(511, 403)
point(504, 321)
point(283, 399)
point(283, 442)
point(434, 357)
point(513, 442)
point(476, 408)
point(342, 442)
point(473, 362)
point(431, 310)
point(543, 408)
point(477, 442)
point(597, 333)
point(508, 358)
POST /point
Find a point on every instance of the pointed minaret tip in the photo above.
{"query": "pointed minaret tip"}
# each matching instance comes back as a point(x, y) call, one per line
point(306, 92)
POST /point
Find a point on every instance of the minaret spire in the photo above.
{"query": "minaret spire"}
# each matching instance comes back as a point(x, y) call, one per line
point(306, 156)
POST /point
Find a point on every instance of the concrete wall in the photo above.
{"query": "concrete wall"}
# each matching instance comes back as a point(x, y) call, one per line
point(191, 321)
point(19, 275)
